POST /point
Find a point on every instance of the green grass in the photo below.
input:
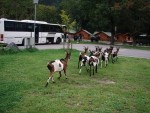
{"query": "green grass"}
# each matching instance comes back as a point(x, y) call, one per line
point(24, 75)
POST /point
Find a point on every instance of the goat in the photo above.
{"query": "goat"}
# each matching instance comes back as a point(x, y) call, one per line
point(93, 63)
point(114, 56)
point(104, 58)
point(85, 58)
point(58, 66)
point(84, 62)
point(109, 50)
point(97, 52)
point(82, 54)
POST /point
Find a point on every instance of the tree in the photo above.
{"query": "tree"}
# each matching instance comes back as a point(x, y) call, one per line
point(66, 20)
point(46, 13)
point(16, 9)
point(135, 17)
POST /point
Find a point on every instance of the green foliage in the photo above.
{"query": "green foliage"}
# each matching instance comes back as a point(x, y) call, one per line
point(8, 51)
point(46, 13)
point(16, 9)
point(129, 16)
point(122, 87)
point(5, 51)
point(132, 16)
point(66, 20)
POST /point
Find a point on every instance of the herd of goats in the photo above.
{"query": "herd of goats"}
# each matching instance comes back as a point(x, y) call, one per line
point(89, 61)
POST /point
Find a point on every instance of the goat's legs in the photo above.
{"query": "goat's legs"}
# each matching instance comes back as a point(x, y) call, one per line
point(93, 70)
point(65, 73)
point(78, 64)
point(101, 63)
point(96, 68)
point(90, 70)
point(112, 58)
point(50, 78)
point(86, 68)
point(116, 58)
point(59, 74)
point(81, 67)
point(106, 62)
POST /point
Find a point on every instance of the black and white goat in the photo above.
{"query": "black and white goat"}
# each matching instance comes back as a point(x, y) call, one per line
point(114, 55)
point(58, 66)
point(93, 64)
point(84, 62)
point(91, 61)
point(109, 51)
point(82, 54)
point(104, 58)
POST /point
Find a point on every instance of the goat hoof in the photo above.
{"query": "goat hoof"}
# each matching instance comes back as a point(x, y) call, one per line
point(53, 81)
point(46, 84)
point(66, 78)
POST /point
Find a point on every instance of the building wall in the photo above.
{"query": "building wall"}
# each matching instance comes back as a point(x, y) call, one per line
point(120, 38)
point(123, 38)
point(103, 37)
point(85, 35)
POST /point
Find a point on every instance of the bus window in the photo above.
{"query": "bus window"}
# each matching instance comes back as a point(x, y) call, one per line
point(9, 26)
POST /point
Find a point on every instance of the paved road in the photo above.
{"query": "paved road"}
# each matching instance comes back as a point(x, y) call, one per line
point(122, 52)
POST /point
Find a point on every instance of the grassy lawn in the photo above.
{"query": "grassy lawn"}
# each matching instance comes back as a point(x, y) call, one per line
point(122, 87)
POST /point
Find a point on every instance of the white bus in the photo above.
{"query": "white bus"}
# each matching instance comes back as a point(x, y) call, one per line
point(16, 31)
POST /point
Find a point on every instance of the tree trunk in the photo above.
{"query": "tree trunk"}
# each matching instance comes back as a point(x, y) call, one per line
point(112, 38)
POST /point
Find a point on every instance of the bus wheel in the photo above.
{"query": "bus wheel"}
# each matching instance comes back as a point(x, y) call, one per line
point(58, 40)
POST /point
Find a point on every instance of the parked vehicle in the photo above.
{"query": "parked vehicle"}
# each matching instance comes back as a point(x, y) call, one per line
point(17, 30)
point(94, 38)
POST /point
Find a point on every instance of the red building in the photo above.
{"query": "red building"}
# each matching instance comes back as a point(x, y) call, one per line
point(84, 33)
point(124, 38)
point(104, 36)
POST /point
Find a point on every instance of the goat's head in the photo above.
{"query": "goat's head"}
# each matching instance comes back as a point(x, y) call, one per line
point(100, 49)
point(85, 49)
point(96, 48)
point(91, 52)
point(68, 54)
point(68, 50)
point(111, 48)
point(118, 48)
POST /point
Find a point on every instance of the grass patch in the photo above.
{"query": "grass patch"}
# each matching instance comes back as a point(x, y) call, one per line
point(23, 77)
point(4, 51)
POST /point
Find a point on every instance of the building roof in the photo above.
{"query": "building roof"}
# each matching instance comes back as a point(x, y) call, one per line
point(107, 33)
point(84, 31)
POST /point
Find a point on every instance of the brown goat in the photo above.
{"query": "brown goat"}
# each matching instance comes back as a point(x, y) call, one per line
point(58, 66)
